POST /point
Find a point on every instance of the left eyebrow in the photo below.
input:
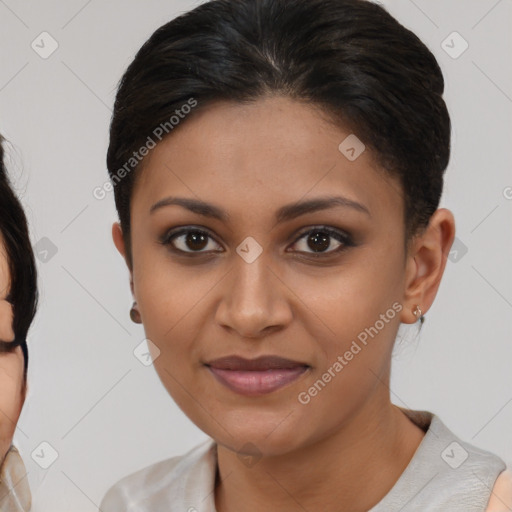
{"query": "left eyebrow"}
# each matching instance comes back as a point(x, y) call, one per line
point(283, 214)
point(294, 210)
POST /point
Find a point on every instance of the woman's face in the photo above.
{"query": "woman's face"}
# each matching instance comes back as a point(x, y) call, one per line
point(11, 363)
point(253, 285)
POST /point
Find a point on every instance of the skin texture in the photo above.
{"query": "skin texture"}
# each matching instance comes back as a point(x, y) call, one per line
point(11, 364)
point(250, 160)
point(501, 497)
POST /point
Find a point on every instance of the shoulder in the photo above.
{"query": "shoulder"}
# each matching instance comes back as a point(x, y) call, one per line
point(501, 496)
point(142, 490)
point(474, 471)
point(465, 473)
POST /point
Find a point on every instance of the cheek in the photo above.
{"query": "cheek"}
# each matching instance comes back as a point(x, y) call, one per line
point(353, 317)
point(169, 297)
point(359, 314)
point(350, 299)
point(172, 301)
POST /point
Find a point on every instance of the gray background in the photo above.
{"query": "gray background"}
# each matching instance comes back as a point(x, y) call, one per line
point(104, 412)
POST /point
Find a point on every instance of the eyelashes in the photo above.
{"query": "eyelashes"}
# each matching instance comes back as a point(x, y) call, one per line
point(6, 347)
point(200, 235)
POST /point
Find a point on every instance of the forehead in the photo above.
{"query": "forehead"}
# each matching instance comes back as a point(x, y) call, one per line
point(249, 158)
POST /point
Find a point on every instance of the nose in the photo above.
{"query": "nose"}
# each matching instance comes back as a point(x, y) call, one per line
point(255, 300)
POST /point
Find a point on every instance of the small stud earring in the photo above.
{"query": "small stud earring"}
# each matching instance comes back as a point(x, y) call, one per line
point(135, 314)
point(418, 314)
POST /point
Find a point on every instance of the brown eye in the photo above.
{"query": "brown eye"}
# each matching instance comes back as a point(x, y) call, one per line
point(190, 241)
point(319, 241)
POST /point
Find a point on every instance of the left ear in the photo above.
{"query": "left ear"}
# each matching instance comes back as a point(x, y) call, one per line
point(426, 262)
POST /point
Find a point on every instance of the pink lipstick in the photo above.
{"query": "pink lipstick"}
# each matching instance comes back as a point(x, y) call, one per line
point(256, 376)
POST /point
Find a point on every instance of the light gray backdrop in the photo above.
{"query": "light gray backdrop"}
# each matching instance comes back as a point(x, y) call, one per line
point(91, 402)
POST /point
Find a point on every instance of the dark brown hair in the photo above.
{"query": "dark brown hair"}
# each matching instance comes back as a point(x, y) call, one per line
point(23, 293)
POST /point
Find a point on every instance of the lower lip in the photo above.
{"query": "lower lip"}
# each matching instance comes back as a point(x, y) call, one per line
point(257, 382)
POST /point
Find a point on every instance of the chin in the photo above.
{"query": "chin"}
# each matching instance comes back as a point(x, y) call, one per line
point(264, 440)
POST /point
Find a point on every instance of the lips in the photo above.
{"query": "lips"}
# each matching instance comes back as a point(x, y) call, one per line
point(256, 376)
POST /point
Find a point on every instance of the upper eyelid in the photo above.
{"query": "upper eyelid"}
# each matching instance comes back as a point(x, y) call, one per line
point(180, 231)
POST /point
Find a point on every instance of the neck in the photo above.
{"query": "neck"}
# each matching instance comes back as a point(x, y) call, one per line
point(332, 474)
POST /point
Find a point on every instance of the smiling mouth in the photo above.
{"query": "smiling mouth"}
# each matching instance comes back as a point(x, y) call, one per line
point(256, 376)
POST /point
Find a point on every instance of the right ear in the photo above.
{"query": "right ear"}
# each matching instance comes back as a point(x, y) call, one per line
point(117, 236)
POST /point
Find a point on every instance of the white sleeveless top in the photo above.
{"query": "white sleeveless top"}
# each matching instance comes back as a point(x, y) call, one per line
point(444, 474)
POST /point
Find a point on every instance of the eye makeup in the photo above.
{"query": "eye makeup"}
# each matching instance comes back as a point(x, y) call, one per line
point(344, 239)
